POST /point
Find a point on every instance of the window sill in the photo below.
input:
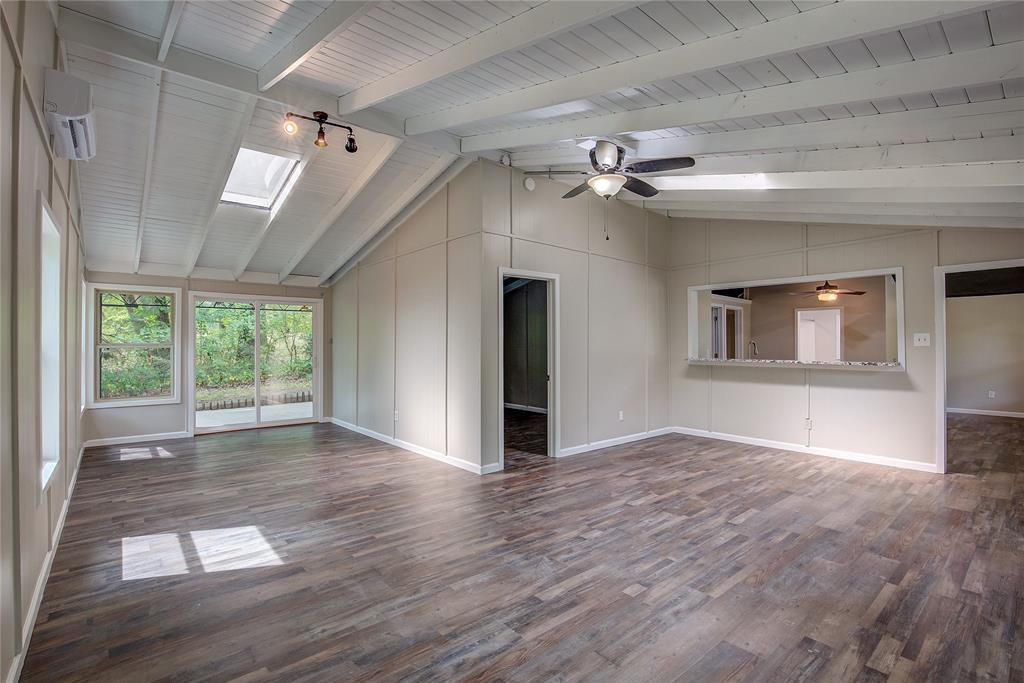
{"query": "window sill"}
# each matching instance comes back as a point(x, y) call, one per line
point(865, 366)
point(134, 403)
point(47, 474)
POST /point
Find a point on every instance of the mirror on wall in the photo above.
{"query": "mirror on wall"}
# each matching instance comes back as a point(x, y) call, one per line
point(841, 319)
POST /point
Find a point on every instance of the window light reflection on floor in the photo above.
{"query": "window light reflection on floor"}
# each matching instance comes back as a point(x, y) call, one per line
point(233, 548)
point(144, 557)
point(206, 550)
point(144, 453)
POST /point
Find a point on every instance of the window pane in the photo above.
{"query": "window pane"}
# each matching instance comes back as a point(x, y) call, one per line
point(127, 318)
point(135, 373)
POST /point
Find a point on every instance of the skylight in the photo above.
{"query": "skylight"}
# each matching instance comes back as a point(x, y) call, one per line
point(257, 178)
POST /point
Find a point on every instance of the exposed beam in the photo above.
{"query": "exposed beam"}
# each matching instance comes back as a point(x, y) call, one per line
point(148, 175)
point(245, 118)
point(824, 25)
point(368, 173)
point(534, 25)
point(959, 120)
point(412, 207)
point(962, 176)
point(924, 210)
point(858, 219)
point(170, 26)
point(680, 199)
point(963, 69)
point(257, 241)
point(396, 207)
point(333, 20)
point(78, 28)
point(1003, 148)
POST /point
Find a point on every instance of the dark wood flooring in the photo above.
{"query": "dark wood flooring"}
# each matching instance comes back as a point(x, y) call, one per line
point(315, 554)
point(526, 439)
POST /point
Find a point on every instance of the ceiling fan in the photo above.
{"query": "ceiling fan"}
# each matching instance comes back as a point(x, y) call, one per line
point(828, 292)
point(607, 158)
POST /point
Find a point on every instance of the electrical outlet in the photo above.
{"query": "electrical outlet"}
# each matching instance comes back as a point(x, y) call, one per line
point(922, 339)
point(396, 416)
point(621, 416)
point(808, 424)
point(991, 394)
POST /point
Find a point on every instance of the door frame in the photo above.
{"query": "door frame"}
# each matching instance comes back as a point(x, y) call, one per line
point(839, 332)
point(554, 396)
point(318, 351)
point(940, 345)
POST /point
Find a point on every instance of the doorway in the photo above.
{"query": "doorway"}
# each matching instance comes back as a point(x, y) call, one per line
point(819, 334)
point(980, 367)
point(527, 363)
point(254, 362)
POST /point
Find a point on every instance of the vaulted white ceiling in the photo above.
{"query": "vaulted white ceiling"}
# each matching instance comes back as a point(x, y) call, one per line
point(784, 92)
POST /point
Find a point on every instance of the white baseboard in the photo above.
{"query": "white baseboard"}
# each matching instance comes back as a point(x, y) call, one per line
point(414, 448)
point(44, 575)
point(813, 450)
point(617, 441)
point(529, 409)
point(639, 436)
point(115, 440)
point(994, 413)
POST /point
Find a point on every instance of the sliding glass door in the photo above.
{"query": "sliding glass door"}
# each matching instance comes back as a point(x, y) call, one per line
point(254, 362)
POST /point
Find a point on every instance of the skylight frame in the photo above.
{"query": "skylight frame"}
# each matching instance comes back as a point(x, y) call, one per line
point(276, 189)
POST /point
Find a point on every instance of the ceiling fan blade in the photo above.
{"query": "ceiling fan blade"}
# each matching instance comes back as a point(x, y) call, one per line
point(849, 291)
point(655, 165)
point(802, 293)
point(637, 186)
point(579, 189)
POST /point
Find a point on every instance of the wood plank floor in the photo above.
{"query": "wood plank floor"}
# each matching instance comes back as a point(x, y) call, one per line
point(526, 439)
point(314, 554)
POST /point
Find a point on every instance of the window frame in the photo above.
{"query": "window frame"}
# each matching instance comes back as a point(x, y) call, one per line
point(48, 466)
point(92, 357)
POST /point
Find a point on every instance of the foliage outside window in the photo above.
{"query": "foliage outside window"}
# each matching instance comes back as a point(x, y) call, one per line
point(225, 364)
point(134, 345)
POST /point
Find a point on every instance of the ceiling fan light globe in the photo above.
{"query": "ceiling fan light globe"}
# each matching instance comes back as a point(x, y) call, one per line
point(827, 296)
point(607, 184)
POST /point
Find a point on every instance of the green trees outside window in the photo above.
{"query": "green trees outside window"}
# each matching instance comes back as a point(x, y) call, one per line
point(135, 338)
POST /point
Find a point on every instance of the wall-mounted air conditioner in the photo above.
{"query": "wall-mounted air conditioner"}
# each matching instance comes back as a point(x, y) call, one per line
point(67, 103)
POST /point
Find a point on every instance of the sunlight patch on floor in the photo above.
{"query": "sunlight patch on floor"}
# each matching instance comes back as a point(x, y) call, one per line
point(197, 552)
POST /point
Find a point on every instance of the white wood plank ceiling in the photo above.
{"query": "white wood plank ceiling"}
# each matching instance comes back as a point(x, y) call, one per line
point(768, 87)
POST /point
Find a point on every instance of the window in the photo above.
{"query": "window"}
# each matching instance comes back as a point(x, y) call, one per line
point(49, 344)
point(257, 178)
point(134, 355)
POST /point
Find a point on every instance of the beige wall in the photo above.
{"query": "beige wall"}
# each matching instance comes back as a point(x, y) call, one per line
point(985, 352)
point(613, 316)
point(773, 315)
point(31, 517)
point(139, 421)
point(891, 415)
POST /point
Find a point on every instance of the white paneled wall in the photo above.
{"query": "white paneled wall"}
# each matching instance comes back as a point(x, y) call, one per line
point(32, 510)
point(442, 332)
point(888, 416)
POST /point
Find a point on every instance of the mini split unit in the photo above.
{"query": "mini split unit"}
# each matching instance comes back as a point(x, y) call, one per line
point(67, 103)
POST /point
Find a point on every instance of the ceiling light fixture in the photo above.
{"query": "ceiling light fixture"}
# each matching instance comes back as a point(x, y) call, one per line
point(321, 119)
point(606, 185)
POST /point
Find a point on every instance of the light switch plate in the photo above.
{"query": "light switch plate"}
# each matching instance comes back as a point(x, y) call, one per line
point(922, 339)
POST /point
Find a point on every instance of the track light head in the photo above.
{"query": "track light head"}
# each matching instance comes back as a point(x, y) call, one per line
point(290, 127)
point(321, 138)
point(350, 145)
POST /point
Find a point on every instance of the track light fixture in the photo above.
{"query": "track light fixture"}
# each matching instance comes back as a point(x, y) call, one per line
point(291, 127)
